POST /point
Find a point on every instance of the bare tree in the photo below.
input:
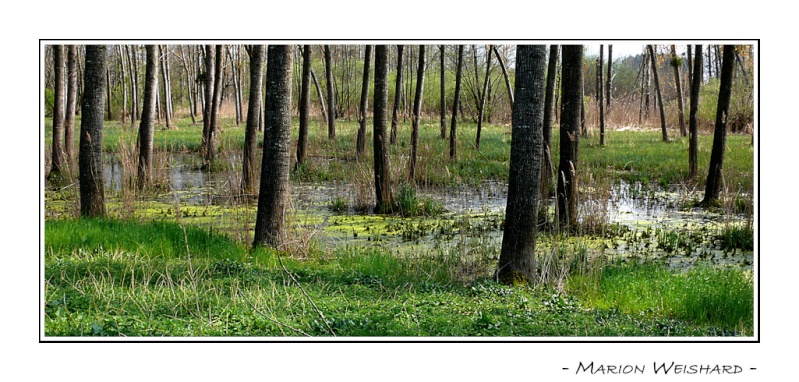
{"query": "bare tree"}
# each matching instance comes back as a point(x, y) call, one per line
point(361, 139)
point(443, 93)
point(609, 78)
point(481, 107)
point(572, 93)
point(90, 160)
point(549, 98)
point(659, 94)
point(696, 83)
point(714, 176)
point(210, 52)
point(397, 93)
point(331, 98)
point(417, 110)
point(274, 192)
point(517, 257)
point(455, 103)
point(676, 63)
point(601, 95)
point(504, 74)
point(167, 86)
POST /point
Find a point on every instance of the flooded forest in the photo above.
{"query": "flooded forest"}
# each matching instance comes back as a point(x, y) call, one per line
point(250, 191)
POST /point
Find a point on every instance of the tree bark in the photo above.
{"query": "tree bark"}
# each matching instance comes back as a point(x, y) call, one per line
point(167, 86)
point(145, 168)
point(57, 158)
point(361, 139)
point(397, 95)
point(517, 257)
point(72, 93)
point(253, 116)
point(696, 84)
point(714, 176)
point(331, 99)
point(273, 198)
point(678, 83)
point(90, 160)
point(210, 52)
point(455, 103)
point(549, 102)
point(305, 105)
point(417, 110)
point(572, 93)
point(659, 94)
point(383, 194)
point(481, 108)
point(213, 127)
point(601, 93)
point(443, 94)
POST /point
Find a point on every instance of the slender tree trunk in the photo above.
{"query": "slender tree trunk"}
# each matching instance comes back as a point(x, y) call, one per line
point(455, 104)
point(609, 79)
point(569, 138)
point(213, 127)
point(90, 160)
point(714, 176)
point(659, 94)
point(361, 139)
point(717, 59)
point(167, 89)
point(517, 257)
point(397, 93)
point(504, 74)
point(273, 198)
point(253, 116)
point(601, 95)
point(72, 93)
point(108, 85)
point(319, 94)
point(481, 108)
point(443, 94)
point(331, 99)
point(678, 82)
point(145, 168)
point(696, 83)
point(690, 65)
point(644, 73)
point(134, 78)
point(210, 52)
point(57, 158)
point(417, 110)
point(305, 104)
point(124, 85)
point(383, 194)
point(549, 98)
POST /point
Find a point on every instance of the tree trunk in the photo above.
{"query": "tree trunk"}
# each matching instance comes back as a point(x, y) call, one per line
point(383, 194)
point(72, 93)
point(253, 115)
point(455, 103)
point(601, 95)
point(90, 160)
point(57, 158)
point(417, 110)
point(659, 94)
point(644, 73)
point(397, 93)
point(714, 176)
point(145, 168)
point(504, 74)
point(443, 103)
point(319, 94)
point(690, 65)
point(678, 82)
point(481, 108)
point(108, 85)
point(124, 85)
point(696, 83)
point(210, 52)
point(569, 138)
point(273, 198)
point(549, 98)
point(213, 127)
point(305, 104)
point(609, 79)
point(517, 257)
point(331, 99)
point(134, 88)
point(361, 142)
point(167, 89)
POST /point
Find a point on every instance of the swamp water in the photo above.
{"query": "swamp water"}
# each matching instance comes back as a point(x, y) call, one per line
point(638, 221)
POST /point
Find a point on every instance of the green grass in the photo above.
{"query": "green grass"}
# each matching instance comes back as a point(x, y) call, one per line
point(111, 278)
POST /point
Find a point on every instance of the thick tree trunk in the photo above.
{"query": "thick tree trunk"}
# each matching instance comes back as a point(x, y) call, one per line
point(383, 194)
point(659, 94)
point(72, 93)
point(601, 95)
point(517, 257)
point(57, 158)
point(572, 93)
point(331, 99)
point(417, 110)
point(714, 176)
point(273, 198)
point(504, 74)
point(455, 104)
point(678, 83)
point(443, 94)
point(362, 110)
point(305, 105)
point(397, 95)
point(696, 83)
point(90, 160)
point(146, 125)
point(549, 102)
point(481, 108)
point(253, 116)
